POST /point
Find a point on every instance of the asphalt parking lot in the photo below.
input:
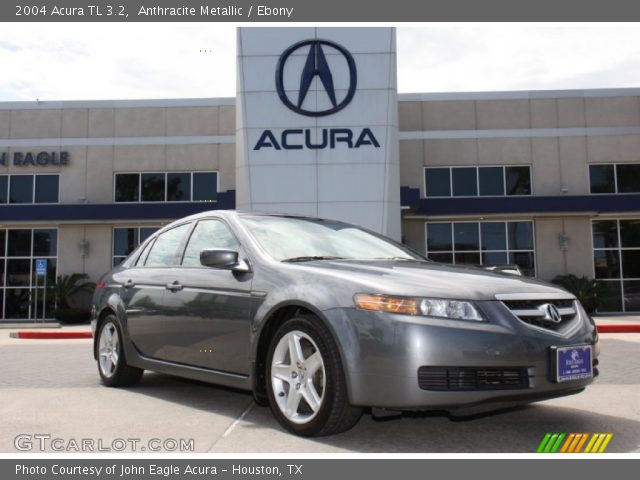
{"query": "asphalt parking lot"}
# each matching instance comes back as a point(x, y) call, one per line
point(51, 387)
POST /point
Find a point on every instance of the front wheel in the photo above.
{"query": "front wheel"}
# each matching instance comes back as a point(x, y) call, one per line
point(305, 380)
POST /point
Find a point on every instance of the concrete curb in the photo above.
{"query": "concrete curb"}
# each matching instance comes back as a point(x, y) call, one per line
point(607, 328)
point(619, 328)
point(51, 335)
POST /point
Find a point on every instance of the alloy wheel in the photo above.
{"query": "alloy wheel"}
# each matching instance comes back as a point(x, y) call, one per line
point(109, 349)
point(298, 377)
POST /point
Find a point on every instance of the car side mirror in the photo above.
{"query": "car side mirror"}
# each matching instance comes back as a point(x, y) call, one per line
point(223, 259)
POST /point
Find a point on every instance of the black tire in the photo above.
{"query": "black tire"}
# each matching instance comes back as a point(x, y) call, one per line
point(335, 414)
point(123, 375)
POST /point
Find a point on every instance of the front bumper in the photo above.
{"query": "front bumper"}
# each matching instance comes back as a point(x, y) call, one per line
point(382, 354)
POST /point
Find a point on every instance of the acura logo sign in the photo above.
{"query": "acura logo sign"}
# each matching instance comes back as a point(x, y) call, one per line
point(316, 65)
point(551, 312)
point(314, 55)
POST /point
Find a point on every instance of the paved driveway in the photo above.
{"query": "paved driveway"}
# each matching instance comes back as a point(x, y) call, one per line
point(51, 387)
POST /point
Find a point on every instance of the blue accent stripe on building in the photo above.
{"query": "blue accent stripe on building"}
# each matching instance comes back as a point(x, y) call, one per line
point(409, 196)
point(113, 211)
point(527, 205)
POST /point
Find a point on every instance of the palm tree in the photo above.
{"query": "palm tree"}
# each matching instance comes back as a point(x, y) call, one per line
point(68, 286)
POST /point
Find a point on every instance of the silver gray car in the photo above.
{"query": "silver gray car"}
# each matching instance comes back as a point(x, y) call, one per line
point(320, 319)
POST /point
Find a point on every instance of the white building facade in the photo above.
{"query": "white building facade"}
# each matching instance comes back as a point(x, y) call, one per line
point(546, 180)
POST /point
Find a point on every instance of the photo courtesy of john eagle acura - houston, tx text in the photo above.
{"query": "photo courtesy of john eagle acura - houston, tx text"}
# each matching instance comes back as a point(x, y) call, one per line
point(321, 318)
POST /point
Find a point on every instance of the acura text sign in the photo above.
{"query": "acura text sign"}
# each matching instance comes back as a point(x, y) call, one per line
point(297, 139)
point(316, 116)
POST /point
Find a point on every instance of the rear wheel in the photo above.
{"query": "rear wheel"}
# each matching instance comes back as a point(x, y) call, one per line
point(305, 381)
point(112, 364)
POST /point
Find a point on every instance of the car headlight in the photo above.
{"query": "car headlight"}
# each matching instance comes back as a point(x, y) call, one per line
point(427, 307)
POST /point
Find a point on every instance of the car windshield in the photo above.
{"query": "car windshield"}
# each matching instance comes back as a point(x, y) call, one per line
point(303, 239)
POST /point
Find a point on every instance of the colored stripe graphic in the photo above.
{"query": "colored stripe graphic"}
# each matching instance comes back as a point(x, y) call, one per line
point(570, 439)
point(556, 446)
point(543, 443)
point(593, 439)
point(573, 442)
point(582, 442)
point(550, 443)
point(605, 443)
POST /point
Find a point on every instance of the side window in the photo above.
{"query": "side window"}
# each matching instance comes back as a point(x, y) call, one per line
point(208, 234)
point(144, 254)
point(165, 248)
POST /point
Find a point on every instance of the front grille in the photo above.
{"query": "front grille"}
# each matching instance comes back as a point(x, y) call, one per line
point(472, 378)
point(533, 312)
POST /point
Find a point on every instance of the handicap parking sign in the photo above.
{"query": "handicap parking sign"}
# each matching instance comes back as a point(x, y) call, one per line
point(41, 267)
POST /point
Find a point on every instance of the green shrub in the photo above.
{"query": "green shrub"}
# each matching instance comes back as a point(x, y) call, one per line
point(74, 315)
point(582, 287)
point(67, 289)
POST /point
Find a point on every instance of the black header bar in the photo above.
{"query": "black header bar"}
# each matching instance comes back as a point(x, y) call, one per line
point(318, 11)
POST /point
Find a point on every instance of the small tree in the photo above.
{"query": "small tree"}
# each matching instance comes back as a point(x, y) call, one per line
point(582, 287)
point(68, 288)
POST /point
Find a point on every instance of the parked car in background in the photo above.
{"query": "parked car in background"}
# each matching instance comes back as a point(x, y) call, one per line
point(319, 319)
point(511, 269)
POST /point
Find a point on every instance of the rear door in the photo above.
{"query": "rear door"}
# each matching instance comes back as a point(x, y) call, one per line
point(144, 287)
point(209, 310)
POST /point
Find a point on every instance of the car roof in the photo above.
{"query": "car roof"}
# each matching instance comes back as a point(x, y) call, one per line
point(242, 213)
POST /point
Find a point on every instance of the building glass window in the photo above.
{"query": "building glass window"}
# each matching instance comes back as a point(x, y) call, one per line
point(205, 186)
point(152, 187)
point(127, 239)
point(628, 178)
point(616, 264)
point(19, 285)
point(166, 187)
point(4, 189)
point(464, 182)
point(517, 180)
point(438, 182)
point(477, 181)
point(491, 181)
point(178, 187)
point(466, 236)
point(127, 187)
point(21, 189)
point(47, 188)
point(482, 243)
point(614, 178)
point(602, 179)
point(29, 188)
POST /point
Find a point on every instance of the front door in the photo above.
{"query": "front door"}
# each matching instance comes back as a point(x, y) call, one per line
point(209, 310)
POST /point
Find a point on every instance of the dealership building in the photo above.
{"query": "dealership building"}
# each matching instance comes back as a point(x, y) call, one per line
point(547, 180)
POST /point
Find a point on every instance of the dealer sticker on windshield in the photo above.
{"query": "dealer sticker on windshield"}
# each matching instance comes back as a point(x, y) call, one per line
point(573, 363)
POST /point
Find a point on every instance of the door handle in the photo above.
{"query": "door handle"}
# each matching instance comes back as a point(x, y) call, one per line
point(129, 284)
point(174, 287)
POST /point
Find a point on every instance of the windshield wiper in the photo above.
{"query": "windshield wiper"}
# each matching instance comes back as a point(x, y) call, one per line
point(399, 258)
point(311, 258)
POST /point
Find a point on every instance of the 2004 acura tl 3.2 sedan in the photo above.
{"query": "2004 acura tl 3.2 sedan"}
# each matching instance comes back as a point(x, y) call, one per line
point(321, 318)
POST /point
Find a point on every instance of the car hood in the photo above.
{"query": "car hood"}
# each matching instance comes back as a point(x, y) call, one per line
point(437, 280)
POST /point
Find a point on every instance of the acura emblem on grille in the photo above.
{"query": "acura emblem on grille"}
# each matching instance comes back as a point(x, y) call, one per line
point(551, 312)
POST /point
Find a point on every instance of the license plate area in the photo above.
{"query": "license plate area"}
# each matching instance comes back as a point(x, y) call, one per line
point(571, 363)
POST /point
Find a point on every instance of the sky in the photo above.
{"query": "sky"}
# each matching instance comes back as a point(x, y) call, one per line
point(60, 61)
